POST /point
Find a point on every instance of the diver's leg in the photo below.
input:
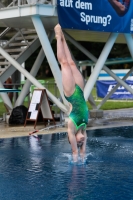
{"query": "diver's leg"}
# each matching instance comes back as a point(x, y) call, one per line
point(76, 73)
point(67, 76)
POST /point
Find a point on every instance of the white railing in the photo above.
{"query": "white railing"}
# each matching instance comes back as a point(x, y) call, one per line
point(23, 2)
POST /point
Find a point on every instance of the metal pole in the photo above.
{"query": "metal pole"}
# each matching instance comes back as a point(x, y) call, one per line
point(49, 54)
point(32, 79)
point(33, 72)
point(5, 98)
point(99, 65)
point(129, 41)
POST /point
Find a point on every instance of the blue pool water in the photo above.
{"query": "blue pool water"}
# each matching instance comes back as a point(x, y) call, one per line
point(40, 169)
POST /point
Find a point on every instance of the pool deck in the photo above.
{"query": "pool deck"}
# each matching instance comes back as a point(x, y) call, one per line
point(111, 118)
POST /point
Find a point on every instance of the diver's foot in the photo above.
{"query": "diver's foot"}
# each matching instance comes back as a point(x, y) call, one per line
point(58, 31)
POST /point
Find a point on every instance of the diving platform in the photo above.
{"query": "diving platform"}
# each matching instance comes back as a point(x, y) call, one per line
point(19, 16)
point(33, 22)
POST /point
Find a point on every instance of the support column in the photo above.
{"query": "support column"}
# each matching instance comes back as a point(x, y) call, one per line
point(5, 98)
point(99, 65)
point(32, 79)
point(129, 41)
point(33, 72)
point(49, 54)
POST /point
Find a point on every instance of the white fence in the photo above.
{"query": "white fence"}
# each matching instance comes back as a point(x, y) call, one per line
point(118, 72)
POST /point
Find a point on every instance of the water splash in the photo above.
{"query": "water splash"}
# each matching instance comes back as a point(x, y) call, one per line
point(80, 161)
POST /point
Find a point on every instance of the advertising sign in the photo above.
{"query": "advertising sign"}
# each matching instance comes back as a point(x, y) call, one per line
point(104, 87)
point(96, 15)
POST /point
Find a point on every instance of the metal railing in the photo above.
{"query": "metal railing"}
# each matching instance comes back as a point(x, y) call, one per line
point(51, 86)
point(24, 2)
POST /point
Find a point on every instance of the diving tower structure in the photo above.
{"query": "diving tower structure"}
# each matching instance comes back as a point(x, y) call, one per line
point(33, 22)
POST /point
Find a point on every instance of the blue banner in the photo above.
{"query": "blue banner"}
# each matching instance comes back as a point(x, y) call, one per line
point(96, 15)
point(104, 87)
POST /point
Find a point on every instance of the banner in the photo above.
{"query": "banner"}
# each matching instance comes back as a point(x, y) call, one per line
point(104, 87)
point(96, 15)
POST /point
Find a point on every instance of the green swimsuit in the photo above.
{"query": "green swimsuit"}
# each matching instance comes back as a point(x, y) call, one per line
point(79, 113)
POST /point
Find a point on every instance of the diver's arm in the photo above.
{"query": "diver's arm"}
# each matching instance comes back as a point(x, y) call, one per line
point(72, 140)
point(83, 148)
